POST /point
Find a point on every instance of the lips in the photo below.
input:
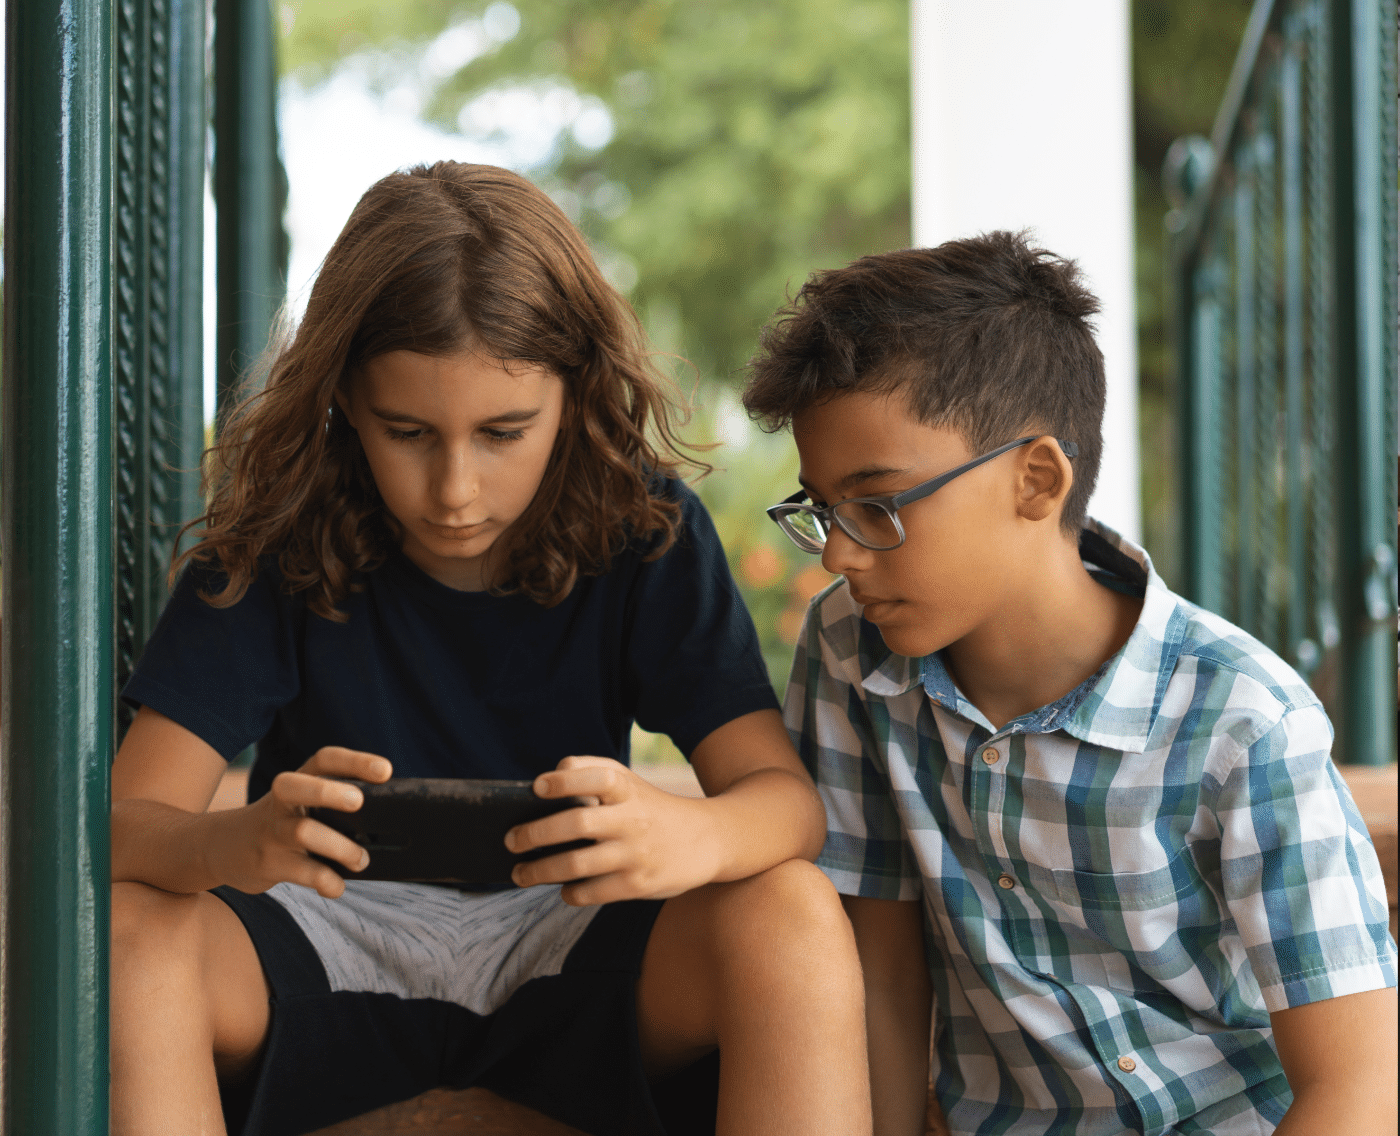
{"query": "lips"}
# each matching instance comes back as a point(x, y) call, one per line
point(874, 609)
point(457, 532)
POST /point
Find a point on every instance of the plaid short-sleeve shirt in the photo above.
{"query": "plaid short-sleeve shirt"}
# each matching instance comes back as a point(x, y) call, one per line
point(1118, 887)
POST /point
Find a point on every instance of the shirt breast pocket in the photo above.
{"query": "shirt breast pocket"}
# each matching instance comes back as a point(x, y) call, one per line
point(1132, 911)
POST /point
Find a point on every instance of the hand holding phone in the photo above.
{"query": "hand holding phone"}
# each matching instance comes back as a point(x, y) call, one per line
point(644, 843)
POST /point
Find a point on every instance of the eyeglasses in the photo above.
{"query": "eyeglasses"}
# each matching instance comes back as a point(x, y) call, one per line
point(873, 522)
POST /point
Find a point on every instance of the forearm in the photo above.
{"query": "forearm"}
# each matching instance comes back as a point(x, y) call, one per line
point(1356, 1109)
point(1339, 1055)
point(897, 1029)
point(762, 819)
point(898, 1008)
point(160, 845)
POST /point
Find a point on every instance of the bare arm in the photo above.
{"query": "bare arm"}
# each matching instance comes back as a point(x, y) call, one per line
point(1340, 1057)
point(163, 779)
point(760, 809)
point(898, 1008)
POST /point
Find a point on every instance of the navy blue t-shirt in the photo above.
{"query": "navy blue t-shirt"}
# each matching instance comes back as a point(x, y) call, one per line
point(462, 684)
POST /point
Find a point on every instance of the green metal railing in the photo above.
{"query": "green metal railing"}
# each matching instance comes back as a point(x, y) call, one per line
point(1283, 263)
point(158, 321)
point(103, 395)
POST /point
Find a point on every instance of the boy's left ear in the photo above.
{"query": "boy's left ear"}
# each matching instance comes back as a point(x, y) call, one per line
point(1044, 478)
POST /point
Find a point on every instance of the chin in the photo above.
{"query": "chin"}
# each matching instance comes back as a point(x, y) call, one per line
point(912, 642)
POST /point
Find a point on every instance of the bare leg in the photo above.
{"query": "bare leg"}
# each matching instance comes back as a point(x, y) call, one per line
point(189, 1006)
point(766, 969)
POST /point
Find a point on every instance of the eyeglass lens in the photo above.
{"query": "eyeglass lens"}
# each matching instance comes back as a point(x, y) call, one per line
point(868, 523)
point(806, 526)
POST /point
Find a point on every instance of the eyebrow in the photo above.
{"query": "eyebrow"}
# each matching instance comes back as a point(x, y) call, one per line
point(510, 416)
point(865, 473)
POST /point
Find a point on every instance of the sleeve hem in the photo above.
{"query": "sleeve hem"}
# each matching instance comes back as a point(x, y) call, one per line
point(1352, 976)
point(207, 727)
point(702, 725)
point(865, 885)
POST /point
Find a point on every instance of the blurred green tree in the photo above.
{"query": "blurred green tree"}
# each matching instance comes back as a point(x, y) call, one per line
point(743, 145)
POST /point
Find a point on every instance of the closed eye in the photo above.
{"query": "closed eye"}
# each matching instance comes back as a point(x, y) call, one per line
point(498, 435)
point(416, 435)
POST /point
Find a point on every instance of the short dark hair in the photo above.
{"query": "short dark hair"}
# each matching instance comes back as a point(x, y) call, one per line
point(986, 336)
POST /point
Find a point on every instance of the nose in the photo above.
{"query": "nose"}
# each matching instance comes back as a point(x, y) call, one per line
point(842, 555)
point(458, 481)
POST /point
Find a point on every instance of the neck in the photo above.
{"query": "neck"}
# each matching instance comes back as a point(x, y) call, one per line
point(1054, 630)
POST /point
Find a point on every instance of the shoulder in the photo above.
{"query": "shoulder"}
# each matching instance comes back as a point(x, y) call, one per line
point(207, 579)
point(693, 530)
point(1238, 686)
point(1187, 671)
point(669, 487)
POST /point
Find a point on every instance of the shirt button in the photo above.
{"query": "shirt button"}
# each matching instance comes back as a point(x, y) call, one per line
point(1127, 1064)
point(990, 756)
point(1007, 882)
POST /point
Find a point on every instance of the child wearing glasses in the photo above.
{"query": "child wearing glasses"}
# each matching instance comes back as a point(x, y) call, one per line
point(448, 539)
point(1097, 827)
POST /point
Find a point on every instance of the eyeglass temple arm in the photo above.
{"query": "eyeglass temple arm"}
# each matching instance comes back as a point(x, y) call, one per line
point(921, 491)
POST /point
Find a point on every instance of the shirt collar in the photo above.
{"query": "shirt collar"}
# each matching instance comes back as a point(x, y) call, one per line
point(1115, 707)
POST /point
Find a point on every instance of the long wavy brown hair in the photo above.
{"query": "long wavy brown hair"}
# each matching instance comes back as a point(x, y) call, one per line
point(434, 260)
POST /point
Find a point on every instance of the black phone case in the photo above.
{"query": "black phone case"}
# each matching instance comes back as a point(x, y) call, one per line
point(442, 829)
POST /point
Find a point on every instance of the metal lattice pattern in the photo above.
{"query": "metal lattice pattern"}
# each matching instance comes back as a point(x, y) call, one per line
point(1274, 347)
point(1290, 418)
point(156, 332)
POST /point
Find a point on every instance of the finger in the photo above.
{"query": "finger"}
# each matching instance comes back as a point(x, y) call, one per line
point(313, 836)
point(319, 878)
point(557, 828)
point(580, 761)
point(576, 864)
point(295, 867)
point(610, 888)
point(337, 761)
point(307, 791)
point(609, 781)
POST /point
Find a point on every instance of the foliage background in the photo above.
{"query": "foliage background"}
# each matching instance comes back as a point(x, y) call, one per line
point(720, 152)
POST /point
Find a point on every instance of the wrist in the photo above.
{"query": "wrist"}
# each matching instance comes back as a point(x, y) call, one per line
point(763, 819)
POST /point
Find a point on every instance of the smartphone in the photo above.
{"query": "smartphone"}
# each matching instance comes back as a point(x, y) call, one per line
point(443, 830)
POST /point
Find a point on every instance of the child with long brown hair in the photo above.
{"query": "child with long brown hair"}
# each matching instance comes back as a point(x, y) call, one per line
point(449, 539)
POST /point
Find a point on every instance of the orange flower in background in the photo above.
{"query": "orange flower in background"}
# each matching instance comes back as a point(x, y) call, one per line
point(802, 587)
point(761, 566)
point(809, 582)
point(790, 623)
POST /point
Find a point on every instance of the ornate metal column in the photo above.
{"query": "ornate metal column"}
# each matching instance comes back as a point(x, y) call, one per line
point(56, 723)
point(159, 235)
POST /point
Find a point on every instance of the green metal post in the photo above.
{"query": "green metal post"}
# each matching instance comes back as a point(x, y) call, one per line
point(249, 188)
point(1365, 163)
point(159, 269)
point(56, 722)
point(1291, 138)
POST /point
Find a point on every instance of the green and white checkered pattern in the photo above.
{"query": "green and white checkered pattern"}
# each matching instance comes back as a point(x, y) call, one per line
point(1119, 887)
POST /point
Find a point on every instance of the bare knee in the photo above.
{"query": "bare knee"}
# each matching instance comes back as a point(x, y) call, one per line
point(177, 954)
point(790, 908)
point(147, 921)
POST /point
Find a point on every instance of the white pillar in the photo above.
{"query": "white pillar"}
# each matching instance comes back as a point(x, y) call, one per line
point(1021, 119)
